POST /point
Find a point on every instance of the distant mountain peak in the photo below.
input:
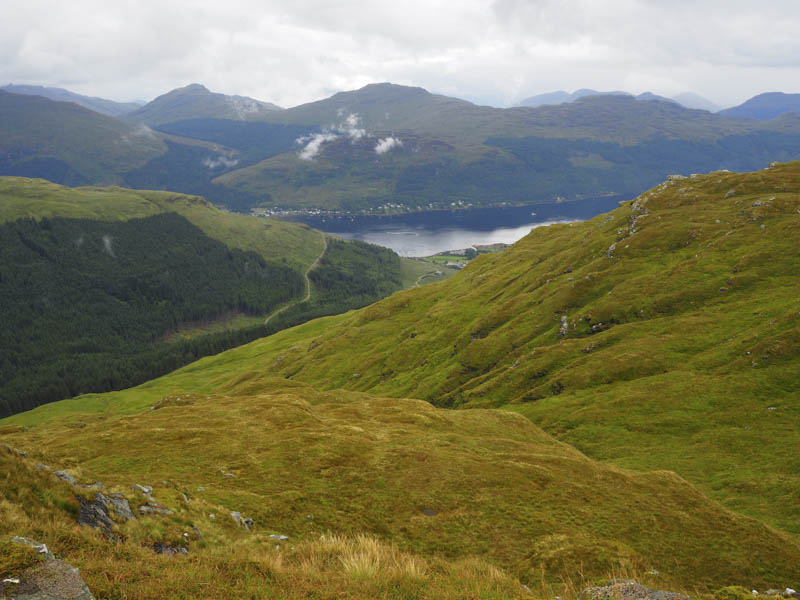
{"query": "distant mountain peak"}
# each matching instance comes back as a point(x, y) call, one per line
point(696, 101)
point(196, 101)
point(193, 87)
point(765, 106)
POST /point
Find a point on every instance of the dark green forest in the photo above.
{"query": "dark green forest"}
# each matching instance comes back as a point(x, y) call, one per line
point(85, 303)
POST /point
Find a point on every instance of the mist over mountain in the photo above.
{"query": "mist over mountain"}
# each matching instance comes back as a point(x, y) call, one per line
point(692, 100)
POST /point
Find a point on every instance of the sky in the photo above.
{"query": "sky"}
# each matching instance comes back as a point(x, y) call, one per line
point(494, 52)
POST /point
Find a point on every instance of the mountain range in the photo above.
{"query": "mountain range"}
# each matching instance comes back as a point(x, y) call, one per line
point(101, 105)
point(383, 148)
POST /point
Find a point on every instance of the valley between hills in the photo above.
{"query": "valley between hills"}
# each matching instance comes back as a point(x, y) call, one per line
point(610, 398)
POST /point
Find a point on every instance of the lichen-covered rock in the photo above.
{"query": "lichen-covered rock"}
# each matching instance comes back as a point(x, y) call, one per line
point(241, 521)
point(169, 550)
point(627, 589)
point(64, 476)
point(39, 547)
point(121, 506)
point(52, 579)
point(152, 508)
point(95, 514)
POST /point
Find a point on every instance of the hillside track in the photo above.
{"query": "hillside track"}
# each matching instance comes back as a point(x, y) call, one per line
point(310, 268)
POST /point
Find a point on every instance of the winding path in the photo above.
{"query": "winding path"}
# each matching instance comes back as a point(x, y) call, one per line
point(308, 281)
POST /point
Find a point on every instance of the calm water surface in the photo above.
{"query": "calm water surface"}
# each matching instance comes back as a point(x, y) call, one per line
point(423, 234)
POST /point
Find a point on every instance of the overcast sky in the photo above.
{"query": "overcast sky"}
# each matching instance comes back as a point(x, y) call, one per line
point(494, 51)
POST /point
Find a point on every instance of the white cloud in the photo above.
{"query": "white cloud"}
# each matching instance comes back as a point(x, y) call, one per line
point(313, 144)
point(220, 161)
point(107, 245)
point(349, 127)
point(386, 144)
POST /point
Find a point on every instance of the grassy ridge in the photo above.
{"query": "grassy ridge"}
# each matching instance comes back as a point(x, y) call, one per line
point(292, 243)
point(678, 349)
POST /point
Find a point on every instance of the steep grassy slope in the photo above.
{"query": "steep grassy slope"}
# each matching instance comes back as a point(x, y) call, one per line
point(196, 102)
point(67, 143)
point(663, 335)
point(439, 484)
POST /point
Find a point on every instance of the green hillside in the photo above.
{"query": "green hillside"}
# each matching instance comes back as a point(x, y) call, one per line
point(439, 485)
point(660, 336)
point(69, 144)
point(652, 353)
point(292, 243)
point(102, 288)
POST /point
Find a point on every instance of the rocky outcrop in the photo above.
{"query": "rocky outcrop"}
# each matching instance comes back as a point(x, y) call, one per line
point(169, 550)
point(627, 589)
point(241, 521)
point(64, 476)
point(120, 505)
point(52, 579)
point(153, 508)
point(95, 514)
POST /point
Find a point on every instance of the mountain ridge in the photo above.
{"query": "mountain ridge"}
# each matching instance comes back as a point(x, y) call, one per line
point(101, 105)
point(765, 106)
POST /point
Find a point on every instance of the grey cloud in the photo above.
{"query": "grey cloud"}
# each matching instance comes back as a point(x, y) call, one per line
point(493, 52)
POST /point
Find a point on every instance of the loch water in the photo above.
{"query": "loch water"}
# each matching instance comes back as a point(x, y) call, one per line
point(427, 233)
